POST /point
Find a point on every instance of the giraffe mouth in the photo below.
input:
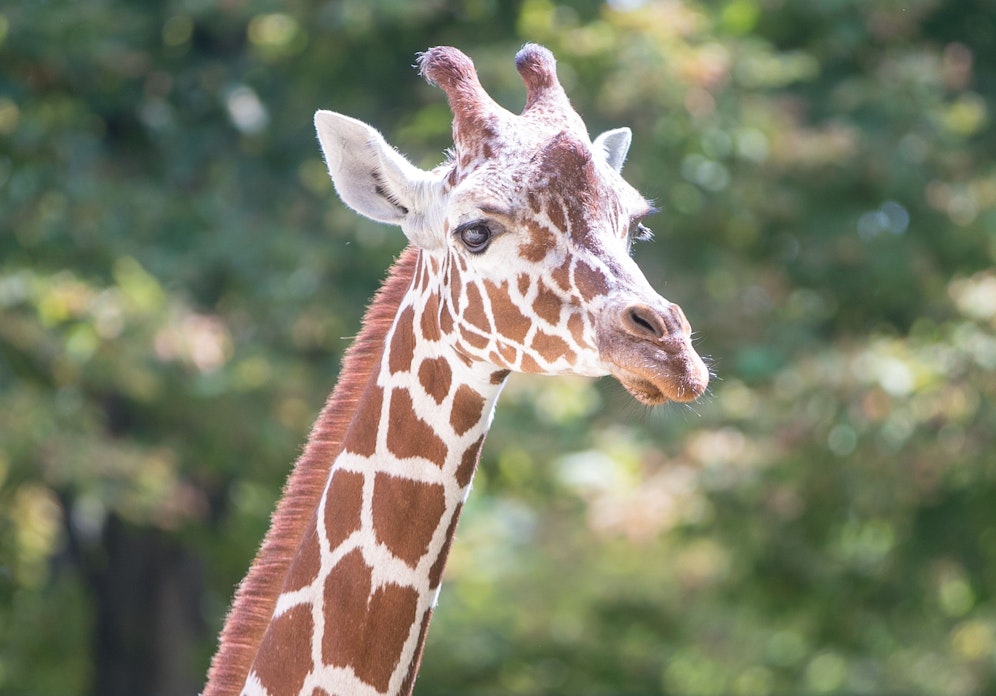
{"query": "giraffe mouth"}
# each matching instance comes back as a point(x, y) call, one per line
point(642, 390)
point(650, 352)
point(654, 387)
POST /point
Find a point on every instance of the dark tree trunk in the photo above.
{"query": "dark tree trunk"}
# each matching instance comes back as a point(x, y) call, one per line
point(147, 590)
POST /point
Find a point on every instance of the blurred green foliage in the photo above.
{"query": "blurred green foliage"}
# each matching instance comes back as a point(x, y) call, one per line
point(177, 279)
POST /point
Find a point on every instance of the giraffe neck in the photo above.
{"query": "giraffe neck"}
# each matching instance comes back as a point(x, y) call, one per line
point(354, 607)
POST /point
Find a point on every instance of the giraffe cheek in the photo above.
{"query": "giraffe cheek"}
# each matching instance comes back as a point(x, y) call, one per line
point(510, 322)
point(446, 320)
point(576, 326)
point(429, 322)
point(553, 349)
point(591, 282)
point(548, 305)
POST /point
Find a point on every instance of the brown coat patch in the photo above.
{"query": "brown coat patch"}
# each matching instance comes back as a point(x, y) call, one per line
point(454, 178)
point(426, 278)
point(343, 506)
point(446, 320)
point(456, 288)
point(540, 241)
point(562, 275)
point(429, 321)
point(474, 313)
point(285, 652)
point(547, 304)
point(436, 571)
point(551, 347)
point(473, 338)
point(361, 438)
point(467, 408)
point(577, 182)
point(418, 280)
point(435, 375)
point(306, 564)
point(468, 462)
point(524, 280)
point(363, 631)
point(511, 322)
point(591, 282)
point(409, 682)
point(576, 325)
point(530, 365)
point(508, 353)
point(555, 211)
point(406, 514)
point(403, 342)
point(410, 436)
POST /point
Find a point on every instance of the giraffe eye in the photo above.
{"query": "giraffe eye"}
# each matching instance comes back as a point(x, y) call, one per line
point(475, 236)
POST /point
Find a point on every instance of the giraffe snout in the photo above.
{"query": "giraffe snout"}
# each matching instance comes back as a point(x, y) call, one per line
point(648, 348)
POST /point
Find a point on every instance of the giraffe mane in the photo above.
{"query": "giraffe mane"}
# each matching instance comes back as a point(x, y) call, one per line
point(256, 597)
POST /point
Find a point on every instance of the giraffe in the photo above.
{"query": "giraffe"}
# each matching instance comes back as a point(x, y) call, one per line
point(518, 260)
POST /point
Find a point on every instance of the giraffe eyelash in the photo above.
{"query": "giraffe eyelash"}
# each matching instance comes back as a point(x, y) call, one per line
point(642, 233)
point(638, 232)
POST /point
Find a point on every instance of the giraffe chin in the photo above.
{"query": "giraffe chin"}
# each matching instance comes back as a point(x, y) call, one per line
point(678, 379)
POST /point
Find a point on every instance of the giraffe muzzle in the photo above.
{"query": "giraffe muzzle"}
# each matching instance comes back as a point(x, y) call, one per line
point(649, 350)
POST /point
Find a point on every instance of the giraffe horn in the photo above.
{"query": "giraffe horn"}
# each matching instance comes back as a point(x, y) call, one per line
point(454, 73)
point(538, 69)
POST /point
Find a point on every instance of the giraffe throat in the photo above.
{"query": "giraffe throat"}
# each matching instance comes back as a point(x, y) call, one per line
point(353, 612)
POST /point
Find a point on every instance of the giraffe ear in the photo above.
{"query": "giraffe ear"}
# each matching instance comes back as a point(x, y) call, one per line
point(376, 180)
point(614, 144)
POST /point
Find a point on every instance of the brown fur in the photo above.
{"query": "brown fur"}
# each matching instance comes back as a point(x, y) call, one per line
point(257, 595)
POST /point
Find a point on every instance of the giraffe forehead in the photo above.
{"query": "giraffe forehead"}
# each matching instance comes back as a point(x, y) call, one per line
point(557, 198)
point(561, 174)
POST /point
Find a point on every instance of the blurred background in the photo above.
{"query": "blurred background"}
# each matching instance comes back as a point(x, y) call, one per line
point(178, 283)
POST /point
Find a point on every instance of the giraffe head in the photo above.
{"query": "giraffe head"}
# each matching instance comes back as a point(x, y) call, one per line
point(525, 234)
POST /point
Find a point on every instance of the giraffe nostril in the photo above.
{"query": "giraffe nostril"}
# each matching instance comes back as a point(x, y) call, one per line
point(643, 322)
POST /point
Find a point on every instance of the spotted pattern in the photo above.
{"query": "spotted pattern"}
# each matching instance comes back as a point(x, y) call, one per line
point(357, 599)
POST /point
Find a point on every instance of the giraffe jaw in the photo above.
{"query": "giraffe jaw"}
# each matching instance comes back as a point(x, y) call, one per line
point(655, 387)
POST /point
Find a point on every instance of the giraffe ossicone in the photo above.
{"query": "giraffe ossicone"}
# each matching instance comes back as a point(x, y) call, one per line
point(518, 261)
